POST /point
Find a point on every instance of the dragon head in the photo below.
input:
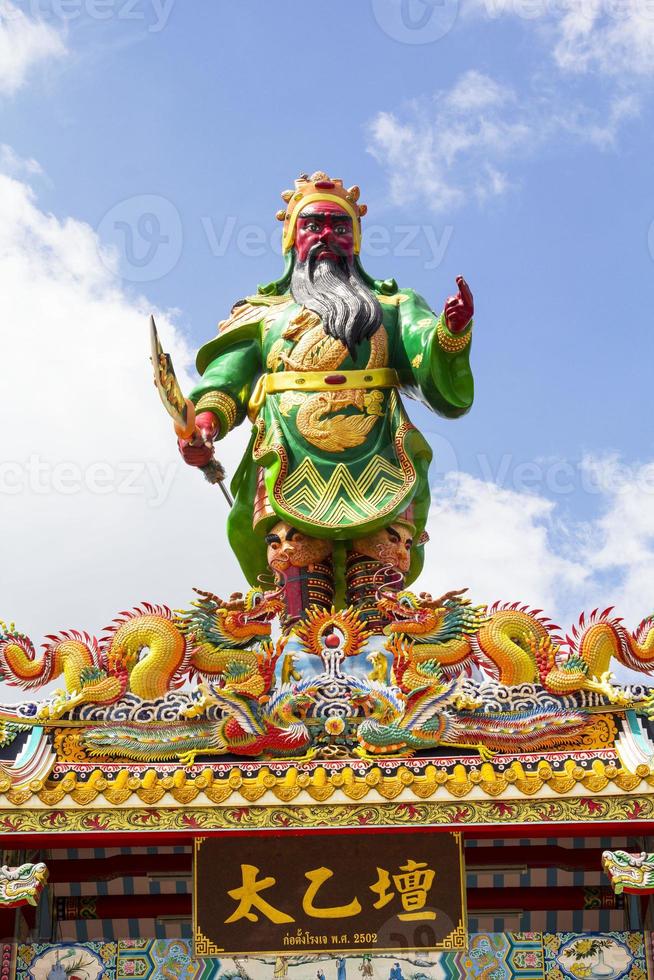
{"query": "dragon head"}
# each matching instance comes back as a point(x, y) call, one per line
point(231, 622)
point(251, 615)
point(632, 872)
point(377, 702)
point(22, 885)
point(409, 613)
point(290, 704)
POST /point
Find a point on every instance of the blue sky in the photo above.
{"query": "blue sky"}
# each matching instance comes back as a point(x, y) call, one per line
point(514, 149)
point(220, 108)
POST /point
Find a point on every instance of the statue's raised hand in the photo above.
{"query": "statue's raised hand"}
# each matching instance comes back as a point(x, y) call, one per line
point(198, 450)
point(458, 309)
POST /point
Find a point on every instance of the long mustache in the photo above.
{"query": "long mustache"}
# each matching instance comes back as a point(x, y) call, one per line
point(314, 254)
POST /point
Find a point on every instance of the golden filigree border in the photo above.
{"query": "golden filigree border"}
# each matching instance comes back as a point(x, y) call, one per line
point(203, 946)
point(189, 820)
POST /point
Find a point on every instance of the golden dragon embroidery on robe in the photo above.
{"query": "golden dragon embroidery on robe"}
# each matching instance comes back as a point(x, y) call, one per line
point(316, 351)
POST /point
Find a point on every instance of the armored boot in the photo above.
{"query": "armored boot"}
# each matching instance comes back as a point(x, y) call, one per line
point(365, 577)
point(301, 588)
point(376, 563)
point(303, 571)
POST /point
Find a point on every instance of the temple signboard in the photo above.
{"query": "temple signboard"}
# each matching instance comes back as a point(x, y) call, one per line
point(328, 893)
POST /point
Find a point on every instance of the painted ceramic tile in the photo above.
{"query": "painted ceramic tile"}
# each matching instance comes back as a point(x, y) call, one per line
point(595, 956)
point(517, 956)
point(173, 960)
point(66, 961)
point(162, 959)
point(501, 956)
point(402, 966)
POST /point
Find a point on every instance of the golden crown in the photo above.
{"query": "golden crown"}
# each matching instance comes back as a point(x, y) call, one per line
point(320, 187)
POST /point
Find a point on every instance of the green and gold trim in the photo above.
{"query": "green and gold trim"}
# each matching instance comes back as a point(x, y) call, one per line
point(223, 407)
point(450, 342)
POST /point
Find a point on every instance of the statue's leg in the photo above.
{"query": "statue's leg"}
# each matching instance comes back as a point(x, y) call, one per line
point(303, 570)
point(378, 561)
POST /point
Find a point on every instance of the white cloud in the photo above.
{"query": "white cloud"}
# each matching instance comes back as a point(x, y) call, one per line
point(622, 545)
point(460, 143)
point(475, 91)
point(511, 545)
point(469, 141)
point(14, 165)
point(600, 129)
point(24, 42)
point(441, 149)
point(97, 510)
point(497, 542)
point(614, 37)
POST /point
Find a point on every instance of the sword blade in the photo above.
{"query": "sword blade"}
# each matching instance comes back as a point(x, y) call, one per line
point(172, 399)
point(166, 383)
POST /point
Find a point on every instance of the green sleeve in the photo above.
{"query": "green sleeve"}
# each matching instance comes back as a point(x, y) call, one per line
point(440, 378)
point(227, 383)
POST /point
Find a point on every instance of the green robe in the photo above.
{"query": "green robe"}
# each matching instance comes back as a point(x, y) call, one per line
point(341, 493)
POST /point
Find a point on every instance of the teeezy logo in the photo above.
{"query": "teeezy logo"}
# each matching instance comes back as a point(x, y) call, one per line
point(154, 13)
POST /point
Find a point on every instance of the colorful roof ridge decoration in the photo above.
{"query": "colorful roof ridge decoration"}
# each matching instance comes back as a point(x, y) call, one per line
point(332, 713)
point(321, 782)
point(323, 794)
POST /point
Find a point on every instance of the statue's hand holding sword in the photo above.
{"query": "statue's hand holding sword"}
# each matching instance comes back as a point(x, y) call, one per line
point(195, 433)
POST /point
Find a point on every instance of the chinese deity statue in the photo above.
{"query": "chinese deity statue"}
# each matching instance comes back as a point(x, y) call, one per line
point(331, 503)
point(332, 493)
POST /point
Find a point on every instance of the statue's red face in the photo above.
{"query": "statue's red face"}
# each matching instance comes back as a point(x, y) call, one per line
point(326, 223)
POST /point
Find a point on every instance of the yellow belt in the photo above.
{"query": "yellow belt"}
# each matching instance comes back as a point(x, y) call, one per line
point(319, 381)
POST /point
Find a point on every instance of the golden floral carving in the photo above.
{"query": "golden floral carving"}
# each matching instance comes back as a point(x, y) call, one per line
point(445, 813)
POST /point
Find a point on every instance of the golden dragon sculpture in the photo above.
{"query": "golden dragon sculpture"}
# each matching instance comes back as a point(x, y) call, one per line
point(147, 651)
point(515, 644)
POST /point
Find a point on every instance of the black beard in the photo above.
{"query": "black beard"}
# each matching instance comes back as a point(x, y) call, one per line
point(349, 310)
